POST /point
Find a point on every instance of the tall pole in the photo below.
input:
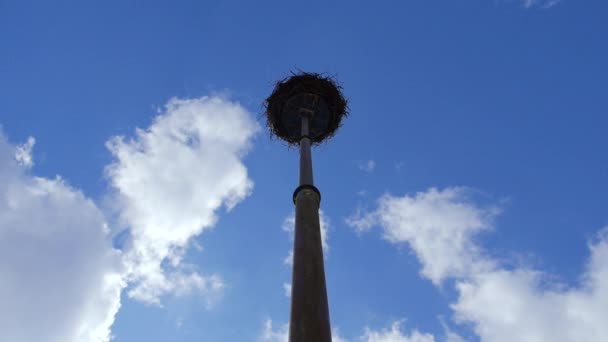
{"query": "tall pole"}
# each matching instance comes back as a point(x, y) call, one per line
point(307, 109)
point(309, 307)
point(306, 177)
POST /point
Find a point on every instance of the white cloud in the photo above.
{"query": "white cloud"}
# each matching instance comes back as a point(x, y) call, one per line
point(335, 336)
point(281, 334)
point(543, 4)
point(395, 334)
point(367, 166)
point(450, 336)
point(361, 220)
point(23, 153)
point(437, 225)
point(287, 289)
point(527, 305)
point(169, 181)
point(60, 277)
point(501, 304)
point(289, 227)
point(269, 334)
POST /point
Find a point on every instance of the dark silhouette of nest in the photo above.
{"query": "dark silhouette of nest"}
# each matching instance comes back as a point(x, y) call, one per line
point(305, 83)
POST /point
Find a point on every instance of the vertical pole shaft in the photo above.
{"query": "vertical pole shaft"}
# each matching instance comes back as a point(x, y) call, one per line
point(309, 320)
point(306, 177)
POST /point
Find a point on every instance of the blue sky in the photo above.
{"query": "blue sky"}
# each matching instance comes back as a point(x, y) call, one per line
point(464, 198)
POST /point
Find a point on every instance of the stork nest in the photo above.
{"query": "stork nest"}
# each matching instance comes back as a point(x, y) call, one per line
point(324, 86)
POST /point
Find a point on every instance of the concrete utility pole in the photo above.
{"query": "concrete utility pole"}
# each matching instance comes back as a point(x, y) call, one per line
point(307, 109)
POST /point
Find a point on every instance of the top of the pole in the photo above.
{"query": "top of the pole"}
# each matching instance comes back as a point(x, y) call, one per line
point(317, 96)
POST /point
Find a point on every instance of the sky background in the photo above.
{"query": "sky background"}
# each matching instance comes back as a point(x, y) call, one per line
point(464, 198)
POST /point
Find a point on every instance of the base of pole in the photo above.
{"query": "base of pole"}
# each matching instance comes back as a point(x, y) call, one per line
point(309, 317)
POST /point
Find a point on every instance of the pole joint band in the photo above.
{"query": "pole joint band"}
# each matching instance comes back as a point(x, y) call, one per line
point(305, 187)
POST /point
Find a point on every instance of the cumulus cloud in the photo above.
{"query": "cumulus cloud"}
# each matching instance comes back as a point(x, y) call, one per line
point(524, 304)
point(439, 226)
point(60, 277)
point(501, 304)
point(59, 269)
point(169, 181)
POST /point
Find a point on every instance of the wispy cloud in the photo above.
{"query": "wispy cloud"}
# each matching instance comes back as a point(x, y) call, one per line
point(395, 333)
point(543, 4)
point(23, 153)
point(270, 334)
point(367, 166)
point(281, 333)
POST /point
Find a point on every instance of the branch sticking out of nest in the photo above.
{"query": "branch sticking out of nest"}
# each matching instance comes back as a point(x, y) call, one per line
point(323, 126)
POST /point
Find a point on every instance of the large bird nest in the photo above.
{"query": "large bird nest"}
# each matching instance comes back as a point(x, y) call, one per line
point(323, 86)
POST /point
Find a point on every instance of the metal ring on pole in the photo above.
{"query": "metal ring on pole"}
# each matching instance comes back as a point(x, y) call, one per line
point(304, 187)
